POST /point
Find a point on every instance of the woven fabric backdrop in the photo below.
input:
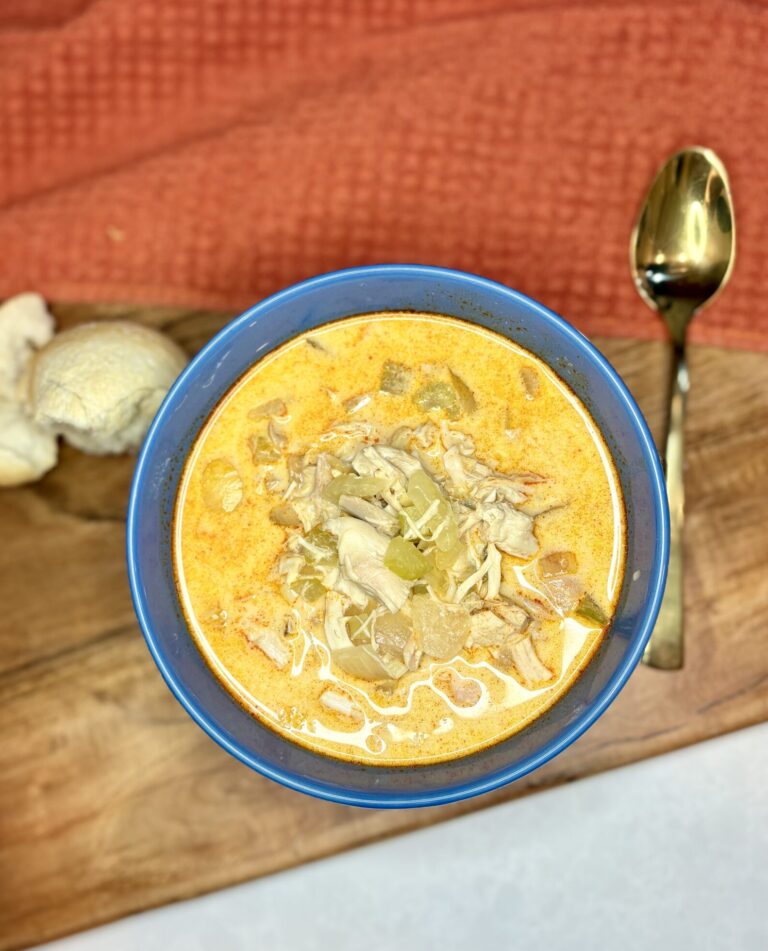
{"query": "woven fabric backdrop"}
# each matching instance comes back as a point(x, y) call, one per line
point(209, 152)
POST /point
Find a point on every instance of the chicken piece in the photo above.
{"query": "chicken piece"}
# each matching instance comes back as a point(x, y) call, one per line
point(340, 583)
point(307, 499)
point(564, 592)
point(268, 641)
point(486, 629)
point(508, 529)
point(490, 568)
point(379, 518)
point(402, 461)
point(531, 382)
point(523, 658)
point(464, 471)
point(340, 703)
point(361, 556)
point(463, 691)
point(506, 488)
point(335, 623)
point(369, 461)
point(502, 624)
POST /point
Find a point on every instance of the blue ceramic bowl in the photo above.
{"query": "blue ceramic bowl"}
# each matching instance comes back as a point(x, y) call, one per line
point(207, 379)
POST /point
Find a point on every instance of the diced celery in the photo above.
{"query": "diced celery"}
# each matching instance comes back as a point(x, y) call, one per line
point(222, 486)
point(395, 378)
point(590, 610)
point(467, 400)
point(445, 531)
point(391, 633)
point(439, 396)
point(359, 628)
point(308, 588)
point(405, 560)
point(269, 409)
point(362, 487)
point(320, 546)
point(262, 450)
point(426, 496)
point(437, 581)
point(423, 491)
point(441, 629)
point(446, 559)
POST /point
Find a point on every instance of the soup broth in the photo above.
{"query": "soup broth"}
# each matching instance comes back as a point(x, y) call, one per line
point(399, 539)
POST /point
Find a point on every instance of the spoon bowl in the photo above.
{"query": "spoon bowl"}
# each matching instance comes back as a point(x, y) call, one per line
point(682, 248)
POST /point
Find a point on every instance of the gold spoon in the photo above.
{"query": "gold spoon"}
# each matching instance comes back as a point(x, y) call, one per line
point(681, 254)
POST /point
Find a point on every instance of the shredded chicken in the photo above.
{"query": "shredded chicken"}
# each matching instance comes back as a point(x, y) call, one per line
point(463, 691)
point(361, 555)
point(369, 461)
point(401, 460)
point(344, 585)
point(528, 664)
point(506, 488)
point(269, 409)
point(270, 643)
point(421, 509)
point(503, 624)
point(508, 528)
point(425, 435)
point(532, 602)
point(531, 382)
point(307, 499)
point(454, 437)
point(490, 568)
point(486, 629)
point(348, 431)
point(563, 592)
point(412, 654)
point(323, 472)
point(464, 471)
point(381, 519)
point(340, 703)
point(276, 435)
point(334, 624)
point(355, 403)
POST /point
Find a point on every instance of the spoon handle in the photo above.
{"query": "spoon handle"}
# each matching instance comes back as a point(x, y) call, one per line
point(665, 648)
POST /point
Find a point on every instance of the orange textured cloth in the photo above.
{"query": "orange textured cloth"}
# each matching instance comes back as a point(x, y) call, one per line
point(209, 152)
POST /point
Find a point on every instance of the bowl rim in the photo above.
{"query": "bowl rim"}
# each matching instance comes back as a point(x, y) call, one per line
point(591, 713)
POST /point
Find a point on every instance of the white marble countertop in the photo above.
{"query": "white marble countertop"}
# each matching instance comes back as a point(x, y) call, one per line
point(671, 853)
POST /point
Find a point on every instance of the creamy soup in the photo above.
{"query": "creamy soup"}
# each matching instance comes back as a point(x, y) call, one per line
point(399, 539)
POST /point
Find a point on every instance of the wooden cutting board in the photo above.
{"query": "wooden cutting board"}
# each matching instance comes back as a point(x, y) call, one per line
point(113, 801)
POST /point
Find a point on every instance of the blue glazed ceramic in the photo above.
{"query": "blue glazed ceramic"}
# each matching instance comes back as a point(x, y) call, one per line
point(207, 379)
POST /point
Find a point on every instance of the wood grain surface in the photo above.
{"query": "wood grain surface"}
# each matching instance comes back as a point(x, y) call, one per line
point(113, 801)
